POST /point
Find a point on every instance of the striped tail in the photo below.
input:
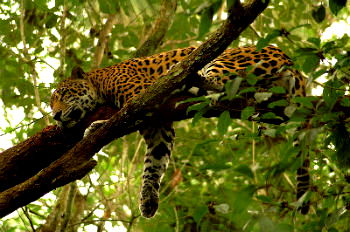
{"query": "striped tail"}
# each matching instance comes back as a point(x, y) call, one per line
point(159, 139)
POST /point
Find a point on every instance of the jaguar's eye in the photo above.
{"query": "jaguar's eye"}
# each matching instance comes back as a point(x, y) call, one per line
point(75, 114)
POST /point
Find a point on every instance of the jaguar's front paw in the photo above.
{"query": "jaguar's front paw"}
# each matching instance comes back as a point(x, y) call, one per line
point(149, 201)
point(94, 126)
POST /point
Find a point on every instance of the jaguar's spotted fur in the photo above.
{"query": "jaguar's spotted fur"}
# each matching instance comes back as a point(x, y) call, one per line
point(119, 83)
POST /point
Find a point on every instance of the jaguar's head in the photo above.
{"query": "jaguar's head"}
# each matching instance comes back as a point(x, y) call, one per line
point(72, 99)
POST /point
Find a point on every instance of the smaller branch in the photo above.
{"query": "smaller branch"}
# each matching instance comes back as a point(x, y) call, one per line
point(325, 86)
point(25, 211)
point(69, 206)
point(103, 39)
point(161, 26)
point(61, 72)
point(23, 221)
point(99, 220)
point(53, 220)
point(79, 207)
point(21, 28)
point(254, 31)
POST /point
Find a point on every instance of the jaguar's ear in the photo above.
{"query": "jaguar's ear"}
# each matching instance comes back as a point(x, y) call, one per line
point(77, 73)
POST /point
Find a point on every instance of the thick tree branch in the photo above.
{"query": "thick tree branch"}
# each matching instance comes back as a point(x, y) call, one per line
point(61, 143)
point(30, 156)
point(75, 163)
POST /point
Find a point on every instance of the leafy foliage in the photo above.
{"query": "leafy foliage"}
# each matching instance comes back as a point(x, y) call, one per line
point(225, 175)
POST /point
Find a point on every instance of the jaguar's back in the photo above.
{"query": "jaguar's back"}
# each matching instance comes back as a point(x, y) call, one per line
point(119, 83)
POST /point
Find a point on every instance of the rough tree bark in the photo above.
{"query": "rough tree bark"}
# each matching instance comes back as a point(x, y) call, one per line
point(76, 162)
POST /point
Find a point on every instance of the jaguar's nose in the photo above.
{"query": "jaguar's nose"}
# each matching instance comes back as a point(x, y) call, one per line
point(57, 116)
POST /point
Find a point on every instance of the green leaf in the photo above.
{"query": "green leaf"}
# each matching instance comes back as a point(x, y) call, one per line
point(336, 5)
point(319, 13)
point(224, 122)
point(58, 3)
point(345, 102)
point(252, 79)
point(310, 63)
point(199, 213)
point(130, 40)
point(305, 101)
point(126, 6)
point(270, 132)
point(278, 90)
point(41, 4)
point(232, 87)
point(108, 6)
point(51, 21)
point(245, 170)
point(278, 103)
point(335, 216)
point(266, 224)
point(243, 198)
point(267, 40)
point(331, 92)
point(197, 107)
point(205, 22)
point(318, 73)
point(284, 228)
point(340, 137)
point(265, 199)
point(229, 3)
point(247, 112)
point(307, 25)
point(247, 90)
point(197, 116)
point(332, 229)
point(269, 115)
point(315, 41)
point(307, 51)
point(262, 96)
point(5, 27)
point(28, 5)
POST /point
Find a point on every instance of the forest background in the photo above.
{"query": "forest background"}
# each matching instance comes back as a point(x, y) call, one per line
point(225, 175)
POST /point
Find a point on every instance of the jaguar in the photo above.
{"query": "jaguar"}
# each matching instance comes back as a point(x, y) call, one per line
point(117, 84)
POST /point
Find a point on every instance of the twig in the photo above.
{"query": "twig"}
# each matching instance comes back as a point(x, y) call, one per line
point(253, 153)
point(98, 220)
point(61, 72)
point(130, 223)
point(31, 64)
point(25, 211)
point(329, 87)
point(176, 220)
point(25, 125)
point(254, 31)
point(22, 219)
